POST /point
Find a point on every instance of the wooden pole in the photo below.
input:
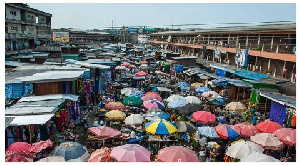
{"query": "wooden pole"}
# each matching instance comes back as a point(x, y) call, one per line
point(29, 130)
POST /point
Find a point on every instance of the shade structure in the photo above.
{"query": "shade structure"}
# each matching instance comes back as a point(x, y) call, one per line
point(137, 94)
point(236, 107)
point(115, 115)
point(115, 106)
point(202, 89)
point(100, 155)
point(179, 68)
point(131, 66)
point(204, 117)
point(242, 148)
point(175, 97)
point(39, 146)
point(189, 108)
point(196, 85)
point(150, 96)
point(286, 135)
point(177, 103)
point(155, 114)
point(125, 64)
point(128, 91)
point(267, 141)
point(144, 62)
point(240, 126)
point(130, 153)
point(150, 104)
point(120, 68)
point(71, 151)
point(258, 157)
point(184, 127)
point(141, 73)
point(207, 131)
point(19, 147)
point(105, 132)
point(133, 101)
point(134, 119)
point(268, 126)
point(211, 94)
point(249, 130)
point(177, 154)
point(193, 100)
point(52, 159)
point(17, 156)
point(226, 132)
point(160, 127)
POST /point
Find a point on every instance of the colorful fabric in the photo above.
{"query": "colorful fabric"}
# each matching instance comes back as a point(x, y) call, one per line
point(278, 112)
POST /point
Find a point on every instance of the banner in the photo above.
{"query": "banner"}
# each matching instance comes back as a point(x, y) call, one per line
point(217, 54)
point(241, 57)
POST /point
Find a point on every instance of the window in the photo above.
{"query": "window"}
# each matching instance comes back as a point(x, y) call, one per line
point(42, 19)
point(30, 17)
point(14, 13)
point(13, 28)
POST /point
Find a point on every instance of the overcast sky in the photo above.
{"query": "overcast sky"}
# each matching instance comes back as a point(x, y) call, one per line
point(90, 16)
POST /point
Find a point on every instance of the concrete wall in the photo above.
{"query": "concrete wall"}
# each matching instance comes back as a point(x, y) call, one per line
point(12, 17)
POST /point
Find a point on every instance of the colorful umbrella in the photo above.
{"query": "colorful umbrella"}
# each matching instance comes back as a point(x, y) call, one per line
point(226, 132)
point(19, 147)
point(267, 140)
point(210, 94)
point(175, 97)
point(151, 96)
point(193, 100)
point(189, 108)
point(185, 127)
point(130, 153)
point(237, 129)
point(133, 101)
point(183, 84)
point(120, 68)
point(11, 156)
point(100, 155)
point(286, 135)
point(71, 151)
point(268, 126)
point(176, 103)
point(160, 127)
point(137, 94)
point(134, 119)
point(202, 89)
point(150, 104)
point(204, 117)
point(155, 115)
point(115, 106)
point(207, 131)
point(242, 148)
point(128, 91)
point(236, 107)
point(39, 146)
point(177, 154)
point(125, 64)
point(249, 130)
point(105, 132)
point(115, 115)
point(258, 157)
point(52, 159)
point(141, 73)
point(196, 85)
point(240, 126)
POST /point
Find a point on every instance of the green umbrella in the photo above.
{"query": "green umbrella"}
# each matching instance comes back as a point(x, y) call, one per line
point(133, 101)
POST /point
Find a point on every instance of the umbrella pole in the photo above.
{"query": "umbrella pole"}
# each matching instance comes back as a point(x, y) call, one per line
point(29, 130)
point(244, 93)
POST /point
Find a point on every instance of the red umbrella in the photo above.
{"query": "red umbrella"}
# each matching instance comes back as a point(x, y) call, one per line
point(177, 154)
point(249, 130)
point(235, 128)
point(125, 64)
point(39, 146)
point(144, 62)
point(19, 147)
point(141, 73)
point(105, 132)
point(240, 126)
point(226, 132)
point(286, 135)
point(268, 126)
point(204, 117)
point(17, 156)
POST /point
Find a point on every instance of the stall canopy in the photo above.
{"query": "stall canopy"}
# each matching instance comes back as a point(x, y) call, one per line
point(8, 120)
point(28, 120)
point(250, 75)
point(50, 97)
point(284, 100)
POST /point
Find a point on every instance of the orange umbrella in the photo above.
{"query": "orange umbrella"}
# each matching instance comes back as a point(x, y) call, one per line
point(100, 155)
point(286, 135)
point(249, 130)
point(39, 146)
point(115, 106)
point(268, 126)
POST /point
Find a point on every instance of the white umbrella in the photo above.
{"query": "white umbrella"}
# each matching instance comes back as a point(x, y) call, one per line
point(120, 68)
point(134, 119)
point(258, 157)
point(241, 149)
point(267, 140)
point(193, 99)
point(175, 97)
point(128, 91)
point(236, 106)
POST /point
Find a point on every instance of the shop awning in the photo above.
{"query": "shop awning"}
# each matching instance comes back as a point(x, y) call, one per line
point(277, 97)
point(30, 119)
point(250, 75)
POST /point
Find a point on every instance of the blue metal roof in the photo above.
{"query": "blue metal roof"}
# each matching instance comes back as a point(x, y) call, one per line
point(250, 75)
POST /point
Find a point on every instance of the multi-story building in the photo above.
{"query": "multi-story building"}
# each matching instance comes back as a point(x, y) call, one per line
point(26, 27)
point(271, 48)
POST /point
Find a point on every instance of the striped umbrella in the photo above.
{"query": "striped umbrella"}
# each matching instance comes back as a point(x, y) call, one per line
point(160, 127)
point(226, 132)
point(150, 104)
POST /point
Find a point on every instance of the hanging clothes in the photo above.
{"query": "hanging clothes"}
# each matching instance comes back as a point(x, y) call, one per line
point(289, 118)
point(10, 136)
point(278, 112)
point(293, 123)
point(67, 87)
point(64, 116)
point(88, 87)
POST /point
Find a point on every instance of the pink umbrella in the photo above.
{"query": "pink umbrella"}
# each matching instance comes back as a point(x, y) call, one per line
point(240, 126)
point(105, 132)
point(144, 62)
point(249, 130)
point(151, 96)
point(286, 135)
point(130, 153)
point(39, 146)
point(17, 156)
point(19, 147)
point(141, 73)
point(204, 117)
point(177, 154)
point(115, 106)
point(210, 94)
point(153, 104)
point(125, 64)
point(268, 126)
point(235, 128)
point(100, 155)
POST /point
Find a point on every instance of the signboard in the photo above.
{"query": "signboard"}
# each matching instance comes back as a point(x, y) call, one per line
point(132, 30)
point(241, 57)
point(217, 54)
point(62, 37)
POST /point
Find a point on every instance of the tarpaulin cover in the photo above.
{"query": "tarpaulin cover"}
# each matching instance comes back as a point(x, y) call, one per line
point(179, 68)
point(250, 75)
point(220, 82)
point(86, 75)
point(277, 112)
point(220, 72)
point(17, 90)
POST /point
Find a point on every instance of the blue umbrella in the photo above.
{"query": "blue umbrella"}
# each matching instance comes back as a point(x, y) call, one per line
point(138, 94)
point(222, 119)
point(177, 103)
point(207, 131)
point(69, 150)
point(202, 89)
point(155, 89)
point(179, 68)
point(183, 84)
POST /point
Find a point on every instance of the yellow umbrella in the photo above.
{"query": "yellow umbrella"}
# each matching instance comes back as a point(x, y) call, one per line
point(196, 85)
point(115, 115)
point(236, 106)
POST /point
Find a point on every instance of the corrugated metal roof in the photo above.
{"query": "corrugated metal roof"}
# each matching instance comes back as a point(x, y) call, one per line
point(15, 63)
point(279, 98)
point(8, 120)
point(28, 120)
point(29, 110)
point(50, 97)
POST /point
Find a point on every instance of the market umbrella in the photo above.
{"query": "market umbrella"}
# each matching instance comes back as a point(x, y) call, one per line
point(13, 156)
point(134, 119)
point(120, 68)
point(189, 108)
point(226, 132)
point(115, 115)
point(267, 140)
point(137, 94)
point(149, 104)
point(183, 126)
point(39, 146)
point(193, 100)
point(128, 91)
point(130, 153)
point(131, 66)
point(177, 154)
point(160, 127)
point(175, 97)
point(115, 106)
point(151, 96)
point(240, 126)
point(183, 84)
point(202, 89)
point(125, 64)
point(153, 115)
point(133, 101)
point(258, 157)
point(286, 135)
point(235, 128)
point(176, 103)
point(249, 130)
point(242, 148)
point(210, 94)
point(207, 131)
point(268, 126)
point(196, 85)
point(100, 155)
point(141, 73)
point(204, 117)
point(178, 68)
point(144, 62)
point(52, 159)
point(105, 132)
point(19, 147)
point(71, 151)
point(215, 102)
point(236, 107)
